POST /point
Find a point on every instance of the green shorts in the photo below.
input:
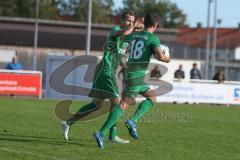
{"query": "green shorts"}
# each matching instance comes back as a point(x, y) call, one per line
point(104, 87)
point(134, 91)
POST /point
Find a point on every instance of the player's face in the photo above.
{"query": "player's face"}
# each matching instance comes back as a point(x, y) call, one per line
point(129, 21)
point(156, 26)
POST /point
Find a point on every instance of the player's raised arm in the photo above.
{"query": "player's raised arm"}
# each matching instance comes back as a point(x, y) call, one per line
point(123, 31)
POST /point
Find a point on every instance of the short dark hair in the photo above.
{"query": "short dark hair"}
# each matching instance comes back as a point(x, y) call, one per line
point(150, 19)
point(125, 13)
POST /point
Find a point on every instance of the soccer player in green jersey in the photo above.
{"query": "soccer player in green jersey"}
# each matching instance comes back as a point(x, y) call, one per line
point(105, 83)
point(143, 45)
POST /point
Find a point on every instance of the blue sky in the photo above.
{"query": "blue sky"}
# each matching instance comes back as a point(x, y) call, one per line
point(196, 11)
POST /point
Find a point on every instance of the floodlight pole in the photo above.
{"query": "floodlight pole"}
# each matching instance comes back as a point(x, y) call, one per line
point(35, 36)
point(214, 39)
point(89, 24)
point(208, 41)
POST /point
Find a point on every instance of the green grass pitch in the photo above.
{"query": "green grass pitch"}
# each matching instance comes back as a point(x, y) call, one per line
point(29, 130)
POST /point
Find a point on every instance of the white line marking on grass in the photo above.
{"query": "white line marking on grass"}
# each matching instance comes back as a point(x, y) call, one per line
point(30, 153)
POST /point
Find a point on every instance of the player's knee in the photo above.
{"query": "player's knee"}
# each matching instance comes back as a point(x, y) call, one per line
point(128, 100)
point(115, 100)
point(152, 99)
point(123, 105)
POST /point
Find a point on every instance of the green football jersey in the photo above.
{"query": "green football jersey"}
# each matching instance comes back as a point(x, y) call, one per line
point(114, 50)
point(142, 49)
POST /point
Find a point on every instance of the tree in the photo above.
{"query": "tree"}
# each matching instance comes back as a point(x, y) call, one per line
point(67, 7)
point(15, 8)
point(78, 9)
point(26, 8)
point(48, 9)
point(171, 16)
point(53, 9)
point(101, 10)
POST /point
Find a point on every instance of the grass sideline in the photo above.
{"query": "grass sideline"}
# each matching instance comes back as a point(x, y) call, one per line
point(29, 130)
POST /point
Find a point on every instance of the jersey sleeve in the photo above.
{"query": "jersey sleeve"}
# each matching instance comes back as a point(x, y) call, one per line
point(116, 28)
point(156, 42)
